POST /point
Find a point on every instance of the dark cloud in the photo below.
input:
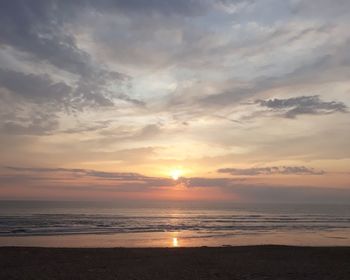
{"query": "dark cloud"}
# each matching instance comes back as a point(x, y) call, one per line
point(209, 182)
point(40, 30)
point(120, 178)
point(44, 29)
point(36, 27)
point(36, 101)
point(302, 105)
point(285, 170)
point(36, 88)
point(80, 172)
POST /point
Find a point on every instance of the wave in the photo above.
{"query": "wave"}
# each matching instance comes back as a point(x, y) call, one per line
point(205, 224)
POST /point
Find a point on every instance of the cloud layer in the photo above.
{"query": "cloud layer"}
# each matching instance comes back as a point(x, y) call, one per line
point(285, 170)
point(146, 87)
point(51, 180)
point(303, 105)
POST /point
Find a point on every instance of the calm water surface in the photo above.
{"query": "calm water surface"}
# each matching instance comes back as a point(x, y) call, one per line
point(71, 224)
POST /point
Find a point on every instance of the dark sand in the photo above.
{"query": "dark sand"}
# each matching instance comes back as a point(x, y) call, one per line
point(253, 262)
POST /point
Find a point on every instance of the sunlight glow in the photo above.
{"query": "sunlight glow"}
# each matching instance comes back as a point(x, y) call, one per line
point(175, 242)
point(176, 174)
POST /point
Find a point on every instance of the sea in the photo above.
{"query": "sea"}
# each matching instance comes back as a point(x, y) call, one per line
point(108, 224)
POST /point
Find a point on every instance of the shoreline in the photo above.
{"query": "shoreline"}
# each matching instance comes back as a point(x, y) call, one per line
point(180, 239)
point(177, 248)
point(225, 262)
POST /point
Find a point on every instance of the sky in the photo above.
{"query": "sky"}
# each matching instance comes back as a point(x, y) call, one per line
point(191, 100)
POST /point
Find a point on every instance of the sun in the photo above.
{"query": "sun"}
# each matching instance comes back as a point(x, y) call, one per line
point(176, 174)
point(175, 242)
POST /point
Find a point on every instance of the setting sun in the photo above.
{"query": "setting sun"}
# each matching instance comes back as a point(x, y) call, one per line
point(175, 242)
point(176, 174)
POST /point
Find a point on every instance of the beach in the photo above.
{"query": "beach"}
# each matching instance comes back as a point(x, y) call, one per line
point(241, 262)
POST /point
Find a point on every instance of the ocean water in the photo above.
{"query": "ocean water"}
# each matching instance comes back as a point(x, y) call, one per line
point(72, 224)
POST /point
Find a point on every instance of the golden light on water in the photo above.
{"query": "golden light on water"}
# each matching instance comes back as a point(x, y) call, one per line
point(175, 242)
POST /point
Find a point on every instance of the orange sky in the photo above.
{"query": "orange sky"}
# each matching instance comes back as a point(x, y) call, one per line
point(249, 103)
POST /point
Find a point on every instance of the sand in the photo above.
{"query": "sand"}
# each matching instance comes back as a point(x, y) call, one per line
point(252, 262)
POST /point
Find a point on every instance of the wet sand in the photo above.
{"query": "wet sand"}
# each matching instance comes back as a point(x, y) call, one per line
point(251, 262)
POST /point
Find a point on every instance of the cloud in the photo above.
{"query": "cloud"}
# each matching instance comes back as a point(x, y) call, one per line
point(79, 172)
point(39, 124)
point(196, 182)
point(302, 105)
point(31, 103)
point(92, 126)
point(149, 131)
point(166, 8)
point(285, 170)
point(86, 180)
point(321, 8)
point(39, 30)
point(36, 88)
point(333, 59)
point(42, 89)
point(228, 98)
point(76, 174)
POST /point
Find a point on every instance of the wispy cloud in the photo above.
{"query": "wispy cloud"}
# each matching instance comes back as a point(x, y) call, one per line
point(285, 170)
point(210, 182)
point(302, 105)
point(79, 173)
